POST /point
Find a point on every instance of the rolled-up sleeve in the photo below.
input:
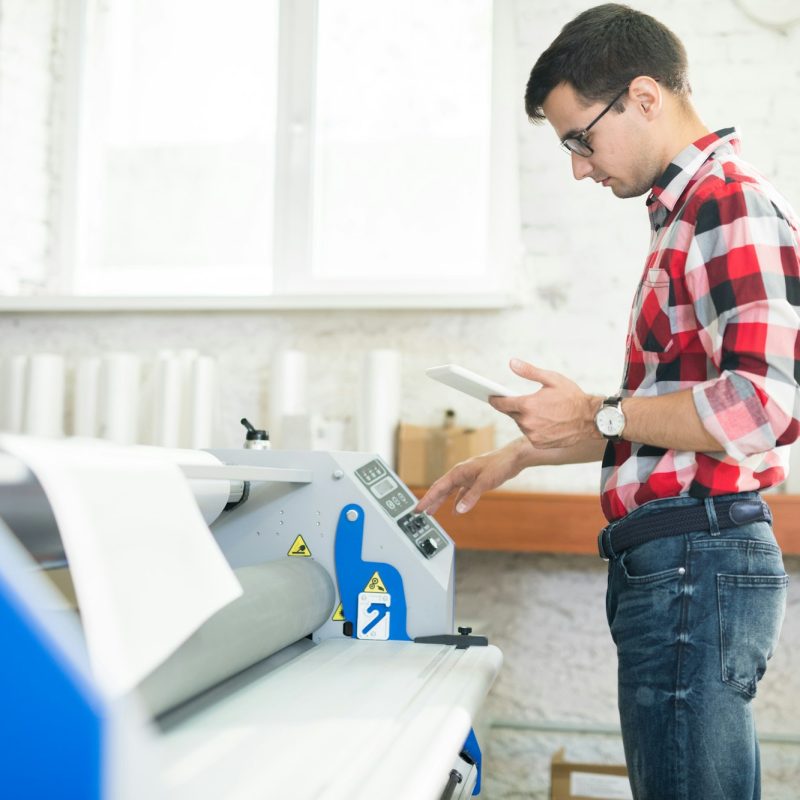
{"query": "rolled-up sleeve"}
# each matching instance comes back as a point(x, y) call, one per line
point(743, 277)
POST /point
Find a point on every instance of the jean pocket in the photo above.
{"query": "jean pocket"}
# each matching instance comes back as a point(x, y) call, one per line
point(644, 574)
point(654, 563)
point(751, 609)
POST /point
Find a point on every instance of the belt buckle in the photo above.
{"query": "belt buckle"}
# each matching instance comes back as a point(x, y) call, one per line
point(743, 512)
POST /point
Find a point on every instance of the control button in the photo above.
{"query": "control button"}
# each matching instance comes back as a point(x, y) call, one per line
point(352, 515)
point(429, 546)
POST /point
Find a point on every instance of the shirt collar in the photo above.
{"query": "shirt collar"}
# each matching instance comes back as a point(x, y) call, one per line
point(668, 189)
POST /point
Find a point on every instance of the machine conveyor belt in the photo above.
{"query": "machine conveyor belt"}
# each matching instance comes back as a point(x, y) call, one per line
point(346, 720)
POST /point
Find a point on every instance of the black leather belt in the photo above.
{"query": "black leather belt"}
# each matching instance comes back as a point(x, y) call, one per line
point(678, 520)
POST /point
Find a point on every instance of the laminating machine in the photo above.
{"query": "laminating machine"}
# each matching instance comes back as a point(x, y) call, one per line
point(335, 674)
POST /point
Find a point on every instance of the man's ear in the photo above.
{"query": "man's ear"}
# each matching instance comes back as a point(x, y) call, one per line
point(646, 95)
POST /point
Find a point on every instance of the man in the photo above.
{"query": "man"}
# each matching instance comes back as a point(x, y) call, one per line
point(707, 404)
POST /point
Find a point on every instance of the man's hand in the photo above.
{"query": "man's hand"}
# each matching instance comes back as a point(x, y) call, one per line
point(475, 476)
point(560, 414)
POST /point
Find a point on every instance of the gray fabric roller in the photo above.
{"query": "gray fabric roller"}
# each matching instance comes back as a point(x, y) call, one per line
point(283, 601)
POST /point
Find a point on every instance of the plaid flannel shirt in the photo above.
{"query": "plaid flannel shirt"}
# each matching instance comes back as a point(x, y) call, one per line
point(716, 311)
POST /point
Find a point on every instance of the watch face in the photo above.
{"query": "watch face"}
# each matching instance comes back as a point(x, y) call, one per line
point(610, 421)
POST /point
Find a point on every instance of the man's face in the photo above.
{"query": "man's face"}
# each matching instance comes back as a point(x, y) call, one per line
point(623, 158)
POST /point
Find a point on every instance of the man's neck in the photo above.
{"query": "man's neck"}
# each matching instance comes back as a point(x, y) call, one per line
point(685, 129)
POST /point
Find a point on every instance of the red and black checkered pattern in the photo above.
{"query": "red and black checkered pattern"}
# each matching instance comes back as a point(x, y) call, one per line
point(717, 311)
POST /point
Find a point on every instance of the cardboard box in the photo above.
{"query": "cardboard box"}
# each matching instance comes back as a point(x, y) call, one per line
point(584, 781)
point(425, 454)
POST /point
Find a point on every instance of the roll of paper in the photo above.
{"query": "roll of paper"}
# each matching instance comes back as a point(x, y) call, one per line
point(288, 391)
point(119, 398)
point(87, 394)
point(203, 402)
point(187, 358)
point(379, 407)
point(245, 632)
point(13, 393)
point(44, 396)
point(167, 405)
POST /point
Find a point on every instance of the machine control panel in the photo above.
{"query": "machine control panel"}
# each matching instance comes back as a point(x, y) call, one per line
point(397, 503)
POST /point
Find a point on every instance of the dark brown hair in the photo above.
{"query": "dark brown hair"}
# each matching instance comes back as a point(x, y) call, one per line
point(602, 50)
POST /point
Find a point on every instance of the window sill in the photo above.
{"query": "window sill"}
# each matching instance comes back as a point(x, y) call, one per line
point(66, 304)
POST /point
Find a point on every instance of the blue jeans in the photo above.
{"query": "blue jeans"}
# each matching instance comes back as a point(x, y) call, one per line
point(694, 618)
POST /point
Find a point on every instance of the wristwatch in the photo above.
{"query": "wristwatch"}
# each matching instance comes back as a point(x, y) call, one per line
point(610, 420)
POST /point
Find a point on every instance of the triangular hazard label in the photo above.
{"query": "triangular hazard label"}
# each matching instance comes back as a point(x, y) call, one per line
point(375, 584)
point(299, 547)
point(338, 615)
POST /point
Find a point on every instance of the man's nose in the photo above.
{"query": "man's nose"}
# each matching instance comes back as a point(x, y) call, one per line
point(581, 166)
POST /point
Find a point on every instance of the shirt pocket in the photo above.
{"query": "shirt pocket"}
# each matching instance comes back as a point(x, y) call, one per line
point(652, 331)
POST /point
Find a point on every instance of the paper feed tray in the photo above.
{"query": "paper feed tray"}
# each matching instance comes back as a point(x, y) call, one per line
point(344, 721)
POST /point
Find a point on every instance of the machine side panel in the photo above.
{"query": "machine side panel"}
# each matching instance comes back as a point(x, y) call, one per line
point(288, 520)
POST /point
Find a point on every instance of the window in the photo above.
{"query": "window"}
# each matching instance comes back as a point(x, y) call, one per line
point(295, 148)
point(177, 141)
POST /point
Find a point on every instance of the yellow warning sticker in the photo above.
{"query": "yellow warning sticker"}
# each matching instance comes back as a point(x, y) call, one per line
point(299, 547)
point(375, 584)
point(338, 615)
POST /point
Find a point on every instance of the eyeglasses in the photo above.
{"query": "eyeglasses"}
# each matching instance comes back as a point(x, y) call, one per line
point(576, 142)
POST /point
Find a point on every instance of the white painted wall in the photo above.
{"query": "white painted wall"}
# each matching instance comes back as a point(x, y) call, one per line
point(583, 254)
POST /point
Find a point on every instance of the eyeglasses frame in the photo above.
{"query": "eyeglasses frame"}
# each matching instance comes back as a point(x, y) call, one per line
point(579, 138)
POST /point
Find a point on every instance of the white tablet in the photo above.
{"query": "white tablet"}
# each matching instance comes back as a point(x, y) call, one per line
point(468, 382)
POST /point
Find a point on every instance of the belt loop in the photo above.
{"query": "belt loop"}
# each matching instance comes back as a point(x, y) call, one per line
point(711, 511)
point(604, 544)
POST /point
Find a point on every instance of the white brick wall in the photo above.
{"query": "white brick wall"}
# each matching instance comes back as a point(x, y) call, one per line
point(583, 256)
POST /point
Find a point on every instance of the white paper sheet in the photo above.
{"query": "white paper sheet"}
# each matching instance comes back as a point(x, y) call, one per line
point(146, 569)
point(210, 494)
